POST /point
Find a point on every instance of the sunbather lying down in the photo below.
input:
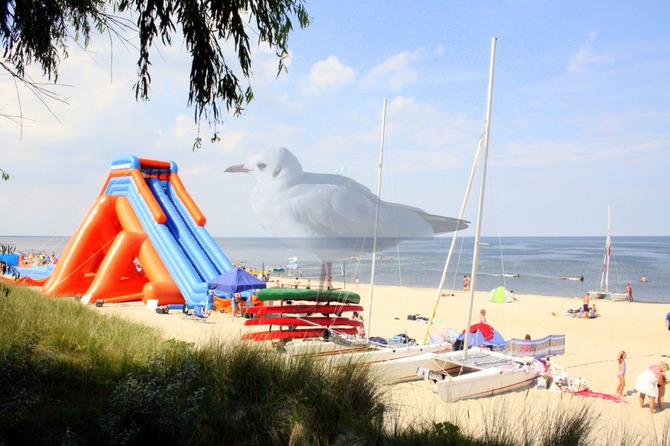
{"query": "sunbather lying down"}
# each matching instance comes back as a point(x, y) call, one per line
point(579, 312)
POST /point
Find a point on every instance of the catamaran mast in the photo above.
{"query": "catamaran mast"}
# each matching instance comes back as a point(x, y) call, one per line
point(608, 253)
point(438, 294)
point(374, 242)
point(480, 209)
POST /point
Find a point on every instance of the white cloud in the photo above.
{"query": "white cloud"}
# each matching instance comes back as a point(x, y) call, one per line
point(586, 57)
point(396, 70)
point(329, 73)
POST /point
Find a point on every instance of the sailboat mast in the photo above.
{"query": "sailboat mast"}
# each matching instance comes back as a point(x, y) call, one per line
point(608, 250)
point(480, 209)
point(374, 242)
point(438, 294)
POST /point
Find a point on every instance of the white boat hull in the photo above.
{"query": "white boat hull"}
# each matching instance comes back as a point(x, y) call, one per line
point(597, 294)
point(486, 382)
point(396, 370)
point(392, 364)
point(618, 297)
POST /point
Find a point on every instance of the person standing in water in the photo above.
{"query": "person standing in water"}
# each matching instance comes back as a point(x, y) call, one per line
point(466, 283)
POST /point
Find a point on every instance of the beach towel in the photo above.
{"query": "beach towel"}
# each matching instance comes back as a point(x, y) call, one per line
point(605, 396)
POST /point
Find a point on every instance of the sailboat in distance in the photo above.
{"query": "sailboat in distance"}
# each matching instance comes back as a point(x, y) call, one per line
point(603, 288)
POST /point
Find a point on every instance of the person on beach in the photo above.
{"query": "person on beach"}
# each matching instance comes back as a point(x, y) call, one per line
point(482, 316)
point(329, 283)
point(361, 328)
point(621, 373)
point(629, 292)
point(643, 279)
point(239, 305)
point(466, 283)
point(651, 383)
point(357, 280)
point(585, 305)
point(667, 321)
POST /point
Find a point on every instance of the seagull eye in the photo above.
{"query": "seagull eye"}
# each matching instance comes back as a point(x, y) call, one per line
point(261, 166)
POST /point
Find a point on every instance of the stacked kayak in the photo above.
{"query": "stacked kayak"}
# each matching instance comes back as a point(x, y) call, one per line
point(290, 313)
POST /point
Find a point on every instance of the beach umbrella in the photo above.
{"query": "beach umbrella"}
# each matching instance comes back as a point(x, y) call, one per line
point(483, 335)
point(235, 281)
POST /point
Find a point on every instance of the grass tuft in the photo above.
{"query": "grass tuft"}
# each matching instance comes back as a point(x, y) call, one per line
point(72, 376)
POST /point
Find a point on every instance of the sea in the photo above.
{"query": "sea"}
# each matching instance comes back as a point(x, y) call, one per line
point(524, 265)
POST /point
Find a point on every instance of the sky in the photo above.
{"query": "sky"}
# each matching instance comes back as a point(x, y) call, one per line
point(580, 117)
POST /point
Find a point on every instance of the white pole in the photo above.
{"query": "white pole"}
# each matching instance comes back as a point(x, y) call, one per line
point(374, 242)
point(438, 294)
point(480, 210)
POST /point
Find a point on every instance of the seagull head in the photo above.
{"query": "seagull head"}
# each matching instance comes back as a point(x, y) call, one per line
point(276, 164)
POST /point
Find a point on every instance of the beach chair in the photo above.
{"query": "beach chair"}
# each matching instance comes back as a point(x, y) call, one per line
point(186, 313)
point(200, 313)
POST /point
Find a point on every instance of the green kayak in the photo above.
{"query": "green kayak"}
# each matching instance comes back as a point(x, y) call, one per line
point(342, 296)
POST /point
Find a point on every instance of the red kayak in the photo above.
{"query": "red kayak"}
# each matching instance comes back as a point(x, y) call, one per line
point(304, 321)
point(292, 334)
point(303, 309)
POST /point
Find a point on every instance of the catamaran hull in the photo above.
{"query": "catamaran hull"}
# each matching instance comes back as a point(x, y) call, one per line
point(404, 369)
point(391, 364)
point(396, 370)
point(597, 294)
point(618, 297)
point(485, 383)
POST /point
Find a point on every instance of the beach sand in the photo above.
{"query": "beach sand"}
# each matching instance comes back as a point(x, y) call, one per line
point(591, 348)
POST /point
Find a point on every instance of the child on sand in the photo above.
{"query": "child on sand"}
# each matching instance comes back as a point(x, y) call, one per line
point(621, 373)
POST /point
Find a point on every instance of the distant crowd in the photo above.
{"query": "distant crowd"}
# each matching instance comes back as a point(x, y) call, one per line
point(38, 258)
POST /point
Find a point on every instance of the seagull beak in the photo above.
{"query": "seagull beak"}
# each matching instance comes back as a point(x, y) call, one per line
point(237, 168)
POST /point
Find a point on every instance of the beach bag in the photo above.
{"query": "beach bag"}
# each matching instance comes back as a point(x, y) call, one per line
point(578, 384)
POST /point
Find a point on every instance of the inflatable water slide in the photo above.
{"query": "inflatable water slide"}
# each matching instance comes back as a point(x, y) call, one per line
point(143, 239)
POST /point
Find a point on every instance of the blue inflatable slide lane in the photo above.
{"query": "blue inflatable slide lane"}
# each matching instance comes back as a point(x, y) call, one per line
point(187, 250)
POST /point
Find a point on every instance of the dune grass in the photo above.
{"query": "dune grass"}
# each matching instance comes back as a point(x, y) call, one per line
point(72, 376)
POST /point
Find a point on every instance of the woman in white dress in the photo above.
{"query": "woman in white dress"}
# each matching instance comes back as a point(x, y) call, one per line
point(652, 383)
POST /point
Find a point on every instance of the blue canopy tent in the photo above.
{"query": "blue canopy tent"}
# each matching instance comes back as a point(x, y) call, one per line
point(235, 281)
point(10, 259)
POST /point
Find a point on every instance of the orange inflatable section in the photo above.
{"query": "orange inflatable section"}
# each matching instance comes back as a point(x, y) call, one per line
point(223, 304)
point(185, 197)
point(83, 254)
point(99, 262)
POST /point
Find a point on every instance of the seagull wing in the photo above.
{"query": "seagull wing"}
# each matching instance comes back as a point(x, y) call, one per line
point(321, 206)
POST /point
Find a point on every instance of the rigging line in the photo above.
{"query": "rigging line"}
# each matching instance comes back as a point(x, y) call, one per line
point(496, 223)
point(458, 264)
point(603, 361)
point(388, 161)
point(89, 258)
point(48, 243)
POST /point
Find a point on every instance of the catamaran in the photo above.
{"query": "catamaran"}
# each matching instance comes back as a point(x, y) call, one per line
point(603, 288)
point(474, 371)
